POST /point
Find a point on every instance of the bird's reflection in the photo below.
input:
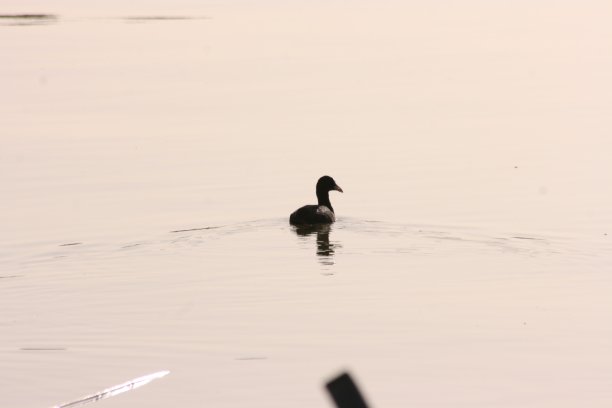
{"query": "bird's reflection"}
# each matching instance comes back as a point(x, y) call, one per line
point(325, 249)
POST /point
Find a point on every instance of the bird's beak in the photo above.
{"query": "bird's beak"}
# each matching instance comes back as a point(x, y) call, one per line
point(337, 188)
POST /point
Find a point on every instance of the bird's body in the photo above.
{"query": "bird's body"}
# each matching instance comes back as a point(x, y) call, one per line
point(312, 214)
point(323, 212)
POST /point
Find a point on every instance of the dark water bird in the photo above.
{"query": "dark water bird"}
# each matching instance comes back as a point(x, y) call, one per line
point(323, 212)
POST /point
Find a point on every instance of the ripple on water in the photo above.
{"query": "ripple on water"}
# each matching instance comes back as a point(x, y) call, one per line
point(347, 237)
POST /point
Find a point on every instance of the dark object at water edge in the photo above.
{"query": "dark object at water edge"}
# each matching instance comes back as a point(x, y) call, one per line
point(345, 393)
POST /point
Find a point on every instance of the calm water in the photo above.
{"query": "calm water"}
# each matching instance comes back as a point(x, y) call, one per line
point(152, 153)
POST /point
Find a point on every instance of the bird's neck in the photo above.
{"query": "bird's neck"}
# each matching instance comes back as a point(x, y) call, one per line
point(323, 197)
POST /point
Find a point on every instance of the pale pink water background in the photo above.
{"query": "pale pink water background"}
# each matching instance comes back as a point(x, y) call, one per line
point(470, 266)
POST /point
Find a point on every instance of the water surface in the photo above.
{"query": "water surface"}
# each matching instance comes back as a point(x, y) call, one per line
point(152, 153)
